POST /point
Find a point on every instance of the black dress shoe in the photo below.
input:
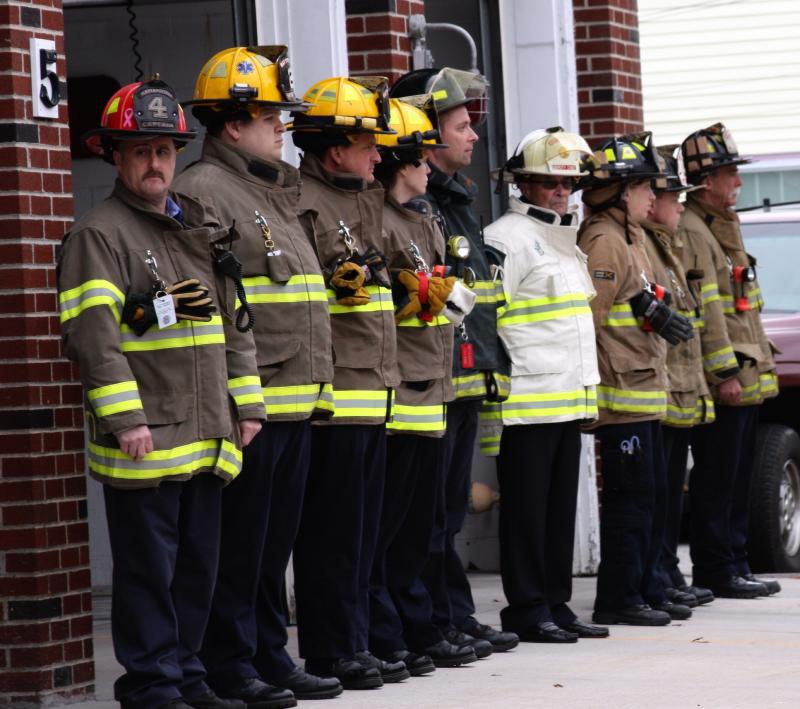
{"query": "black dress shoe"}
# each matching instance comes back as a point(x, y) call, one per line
point(209, 700)
point(584, 630)
point(737, 587)
point(546, 632)
point(703, 595)
point(394, 671)
point(771, 585)
point(482, 648)
point(171, 704)
point(676, 611)
point(417, 665)
point(634, 615)
point(501, 640)
point(257, 694)
point(681, 597)
point(308, 686)
point(445, 654)
point(351, 673)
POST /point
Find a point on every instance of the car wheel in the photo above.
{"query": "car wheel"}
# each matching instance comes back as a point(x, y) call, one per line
point(774, 534)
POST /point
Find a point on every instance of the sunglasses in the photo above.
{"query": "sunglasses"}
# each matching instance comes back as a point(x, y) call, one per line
point(553, 182)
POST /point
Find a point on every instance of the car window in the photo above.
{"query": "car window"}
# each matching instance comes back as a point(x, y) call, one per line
point(776, 247)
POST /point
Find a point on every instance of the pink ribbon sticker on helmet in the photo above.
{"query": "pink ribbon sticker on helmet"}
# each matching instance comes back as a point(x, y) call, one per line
point(127, 118)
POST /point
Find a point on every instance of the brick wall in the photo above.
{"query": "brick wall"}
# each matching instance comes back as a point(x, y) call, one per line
point(377, 36)
point(609, 73)
point(45, 602)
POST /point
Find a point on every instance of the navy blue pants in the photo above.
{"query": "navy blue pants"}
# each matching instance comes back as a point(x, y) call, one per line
point(400, 607)
point(260, 515)
point(631, 521)
point(538, 470)
point(719, 494)
point(444, 574)
point(165, 546)
point(336, 542)
point(676, 452)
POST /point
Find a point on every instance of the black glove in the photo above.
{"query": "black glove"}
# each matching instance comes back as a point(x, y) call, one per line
point(190, 298)
point(672, 326)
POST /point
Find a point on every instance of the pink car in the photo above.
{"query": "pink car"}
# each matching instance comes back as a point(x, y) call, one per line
point(773, 237)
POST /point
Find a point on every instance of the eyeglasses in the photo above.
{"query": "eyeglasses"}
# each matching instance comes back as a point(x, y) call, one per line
point(551, 183)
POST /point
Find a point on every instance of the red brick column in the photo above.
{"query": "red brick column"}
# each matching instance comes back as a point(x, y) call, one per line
point(377, 36)
point(609, 72)
point(45, 599)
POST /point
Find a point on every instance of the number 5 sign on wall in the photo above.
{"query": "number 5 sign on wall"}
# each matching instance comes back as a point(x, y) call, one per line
point(45, 91)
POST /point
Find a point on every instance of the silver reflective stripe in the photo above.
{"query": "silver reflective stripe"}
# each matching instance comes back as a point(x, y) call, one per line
point(212, 451)
point(102, 401)
point(182, 329)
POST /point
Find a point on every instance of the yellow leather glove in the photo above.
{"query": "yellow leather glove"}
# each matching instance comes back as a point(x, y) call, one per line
point(348, 282)
point(439, 290)
point(410, 281)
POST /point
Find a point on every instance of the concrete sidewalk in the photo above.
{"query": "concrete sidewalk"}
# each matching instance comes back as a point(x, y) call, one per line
point(731, 654)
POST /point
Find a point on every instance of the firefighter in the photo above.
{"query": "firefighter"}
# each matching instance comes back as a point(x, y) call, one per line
point(633, 325)
point(459, 106)
point(339, 525)
point(171, 392)
point(689, 402)
point(400, 607)
point(238, 97)
point(739, 365)
point(546, 328)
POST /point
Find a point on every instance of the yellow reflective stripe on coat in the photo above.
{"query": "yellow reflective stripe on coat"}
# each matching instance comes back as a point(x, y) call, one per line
point(379, 299)
point(219, 454)
point(539, 309)
point(503, 384)
point(490, 444)
point(582, 403)
point(627, 400)
point(754, 302)
point(438, 321)
point(355, 403)
point(246, 390)
point(90, 294)
point(325, 400)
point(620, 315)
point(751, 393)
point(297, 398)
point(709, 293)
point(298, 289)
point(184, 333)
point(115, 398)
point(469, 385)
point(768, 382)
point(488, 292)
point(720, 360)
point(406, 417)
point(685, 416)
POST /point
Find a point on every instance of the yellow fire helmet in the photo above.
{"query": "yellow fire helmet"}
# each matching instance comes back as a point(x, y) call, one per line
point(414, 130)
point(341, 105)
point(548, 151)
point(247, 78)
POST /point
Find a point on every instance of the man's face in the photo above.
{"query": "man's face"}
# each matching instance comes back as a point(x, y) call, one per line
point(358, 158)
point(456, 131)
point(722, 187)
point(549, 192)
point(667, 210)
point(262, 137)
point(146, 167)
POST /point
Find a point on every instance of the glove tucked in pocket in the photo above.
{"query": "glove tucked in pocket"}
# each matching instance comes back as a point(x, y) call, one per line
point(348, 283)
point(460, 303)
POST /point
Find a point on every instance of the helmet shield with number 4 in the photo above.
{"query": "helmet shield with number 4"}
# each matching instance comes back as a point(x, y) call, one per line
point(139, 110)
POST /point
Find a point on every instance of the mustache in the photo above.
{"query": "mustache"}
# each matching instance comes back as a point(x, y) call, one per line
point(154, 173)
